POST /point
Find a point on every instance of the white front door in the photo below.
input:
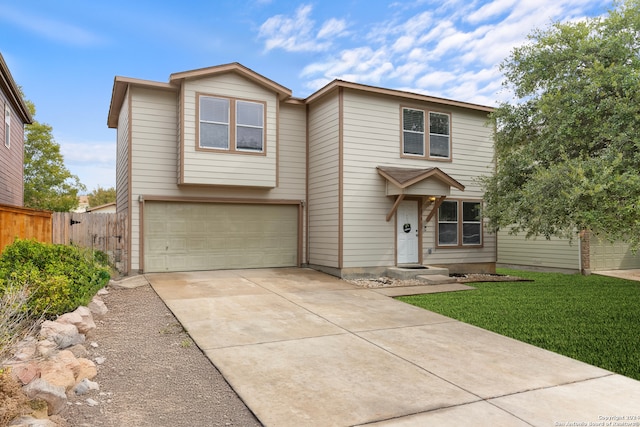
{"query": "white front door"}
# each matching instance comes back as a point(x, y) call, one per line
point(407, 231)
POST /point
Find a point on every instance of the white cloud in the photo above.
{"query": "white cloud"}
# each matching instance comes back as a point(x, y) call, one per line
point(51, 29)
point(490, 10)
point(403, 43)
point(451, 51)
point(93, 153)
point(93, 162)
point(296, 33)
point(333, 27)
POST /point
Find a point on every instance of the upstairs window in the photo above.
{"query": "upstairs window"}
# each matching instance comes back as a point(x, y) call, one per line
point(249, 126)
point(214, 123)
point(460, 223)
point(7, 126)
point(439, 135)
point(414, 134)
point(231, 125)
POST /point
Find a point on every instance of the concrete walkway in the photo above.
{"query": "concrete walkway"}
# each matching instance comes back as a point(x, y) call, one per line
point(302, 348)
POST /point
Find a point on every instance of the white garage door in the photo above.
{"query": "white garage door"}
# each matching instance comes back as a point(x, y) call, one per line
point(612, 256)
point(209, 236)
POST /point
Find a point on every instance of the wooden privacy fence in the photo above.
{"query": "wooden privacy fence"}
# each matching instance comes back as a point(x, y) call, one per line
point(106, 232)
point(23, 223)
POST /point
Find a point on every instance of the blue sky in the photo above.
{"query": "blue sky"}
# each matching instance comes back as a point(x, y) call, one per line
point(66, 53)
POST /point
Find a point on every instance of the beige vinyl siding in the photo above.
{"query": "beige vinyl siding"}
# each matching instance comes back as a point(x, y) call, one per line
point(122, 153)
point(472, 157)
point(372, 138)
point(539, 252)
point(219, 168)
point(323, 182)
point(11, 158)
point(371, 132)
point(154, 124)
point(611, 256)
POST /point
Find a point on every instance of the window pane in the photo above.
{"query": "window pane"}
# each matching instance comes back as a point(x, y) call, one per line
point(448, 211)
point(249, 138)
point(249, 113)
point(439, 135)
point(439, 123)
point(471, 234)
point(471, 211)
point(447, 234)
point(214, 109)
point(413, 120)
point(214, 135)
point(439, 146)
point(413, 143)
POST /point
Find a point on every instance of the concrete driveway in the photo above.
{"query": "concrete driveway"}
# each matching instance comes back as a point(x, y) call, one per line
point(303, 348)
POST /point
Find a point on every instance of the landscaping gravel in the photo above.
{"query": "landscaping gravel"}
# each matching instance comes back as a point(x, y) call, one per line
point(151, 373)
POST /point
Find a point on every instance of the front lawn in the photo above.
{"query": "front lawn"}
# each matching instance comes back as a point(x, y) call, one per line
point(594, 319)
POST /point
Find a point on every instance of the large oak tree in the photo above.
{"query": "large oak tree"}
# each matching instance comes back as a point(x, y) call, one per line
point(568, 148)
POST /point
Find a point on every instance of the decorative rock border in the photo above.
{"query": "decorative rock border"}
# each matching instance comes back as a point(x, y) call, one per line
point(52, 365)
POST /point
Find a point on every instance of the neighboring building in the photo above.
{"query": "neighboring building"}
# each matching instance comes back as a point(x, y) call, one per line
point(222, 168)
point(106, 208)
point(584, 254)
point(14, 115)
point(83, 204)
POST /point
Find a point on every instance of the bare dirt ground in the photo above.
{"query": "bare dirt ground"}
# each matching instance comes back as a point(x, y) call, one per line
point(384, 282)
point(153, 374)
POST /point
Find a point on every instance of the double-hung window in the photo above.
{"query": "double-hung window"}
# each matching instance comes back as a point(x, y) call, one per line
point(417, 126)
point(460, 223)
point(7, 126)
point(231, 125)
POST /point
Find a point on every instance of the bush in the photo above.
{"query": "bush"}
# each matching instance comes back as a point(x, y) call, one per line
point(16, 321)
point(13, 401)
point(59, 278)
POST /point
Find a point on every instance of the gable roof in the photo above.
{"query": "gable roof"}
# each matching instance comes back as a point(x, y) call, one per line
point(234, 67)
point(406, 177)
point(10, 88)
point(335, 84)
point(121, 84)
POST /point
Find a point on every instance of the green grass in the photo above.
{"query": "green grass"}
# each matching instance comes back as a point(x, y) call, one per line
point(594, 319)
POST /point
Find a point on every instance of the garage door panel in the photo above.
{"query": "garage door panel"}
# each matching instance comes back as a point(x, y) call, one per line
point(203, 236)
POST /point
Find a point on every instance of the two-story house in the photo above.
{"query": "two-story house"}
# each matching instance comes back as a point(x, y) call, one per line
point(223, 168)
point(14, 115)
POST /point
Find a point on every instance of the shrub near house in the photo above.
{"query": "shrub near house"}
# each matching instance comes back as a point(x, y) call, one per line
point(58, 278)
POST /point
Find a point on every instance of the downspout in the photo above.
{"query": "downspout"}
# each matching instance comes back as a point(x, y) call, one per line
point(306, 205)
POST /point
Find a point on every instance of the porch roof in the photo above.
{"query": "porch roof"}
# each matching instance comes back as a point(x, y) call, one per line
point(406, 177)
point(417, 182)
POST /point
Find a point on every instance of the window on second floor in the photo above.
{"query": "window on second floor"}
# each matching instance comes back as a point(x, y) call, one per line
point(415, 132)
point(7, 126)
point(231, 125)
point(460, 223)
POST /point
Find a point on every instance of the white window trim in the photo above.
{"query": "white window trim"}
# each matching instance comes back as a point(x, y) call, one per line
point(7, 126)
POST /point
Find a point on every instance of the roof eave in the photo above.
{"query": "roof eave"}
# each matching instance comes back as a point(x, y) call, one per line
point(10, 88)
point(235, 67)
point(428, 173)
point(120, 86)
point(395, 93)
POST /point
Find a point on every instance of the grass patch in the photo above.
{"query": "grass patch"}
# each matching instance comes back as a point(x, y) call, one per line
point(594, 318)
